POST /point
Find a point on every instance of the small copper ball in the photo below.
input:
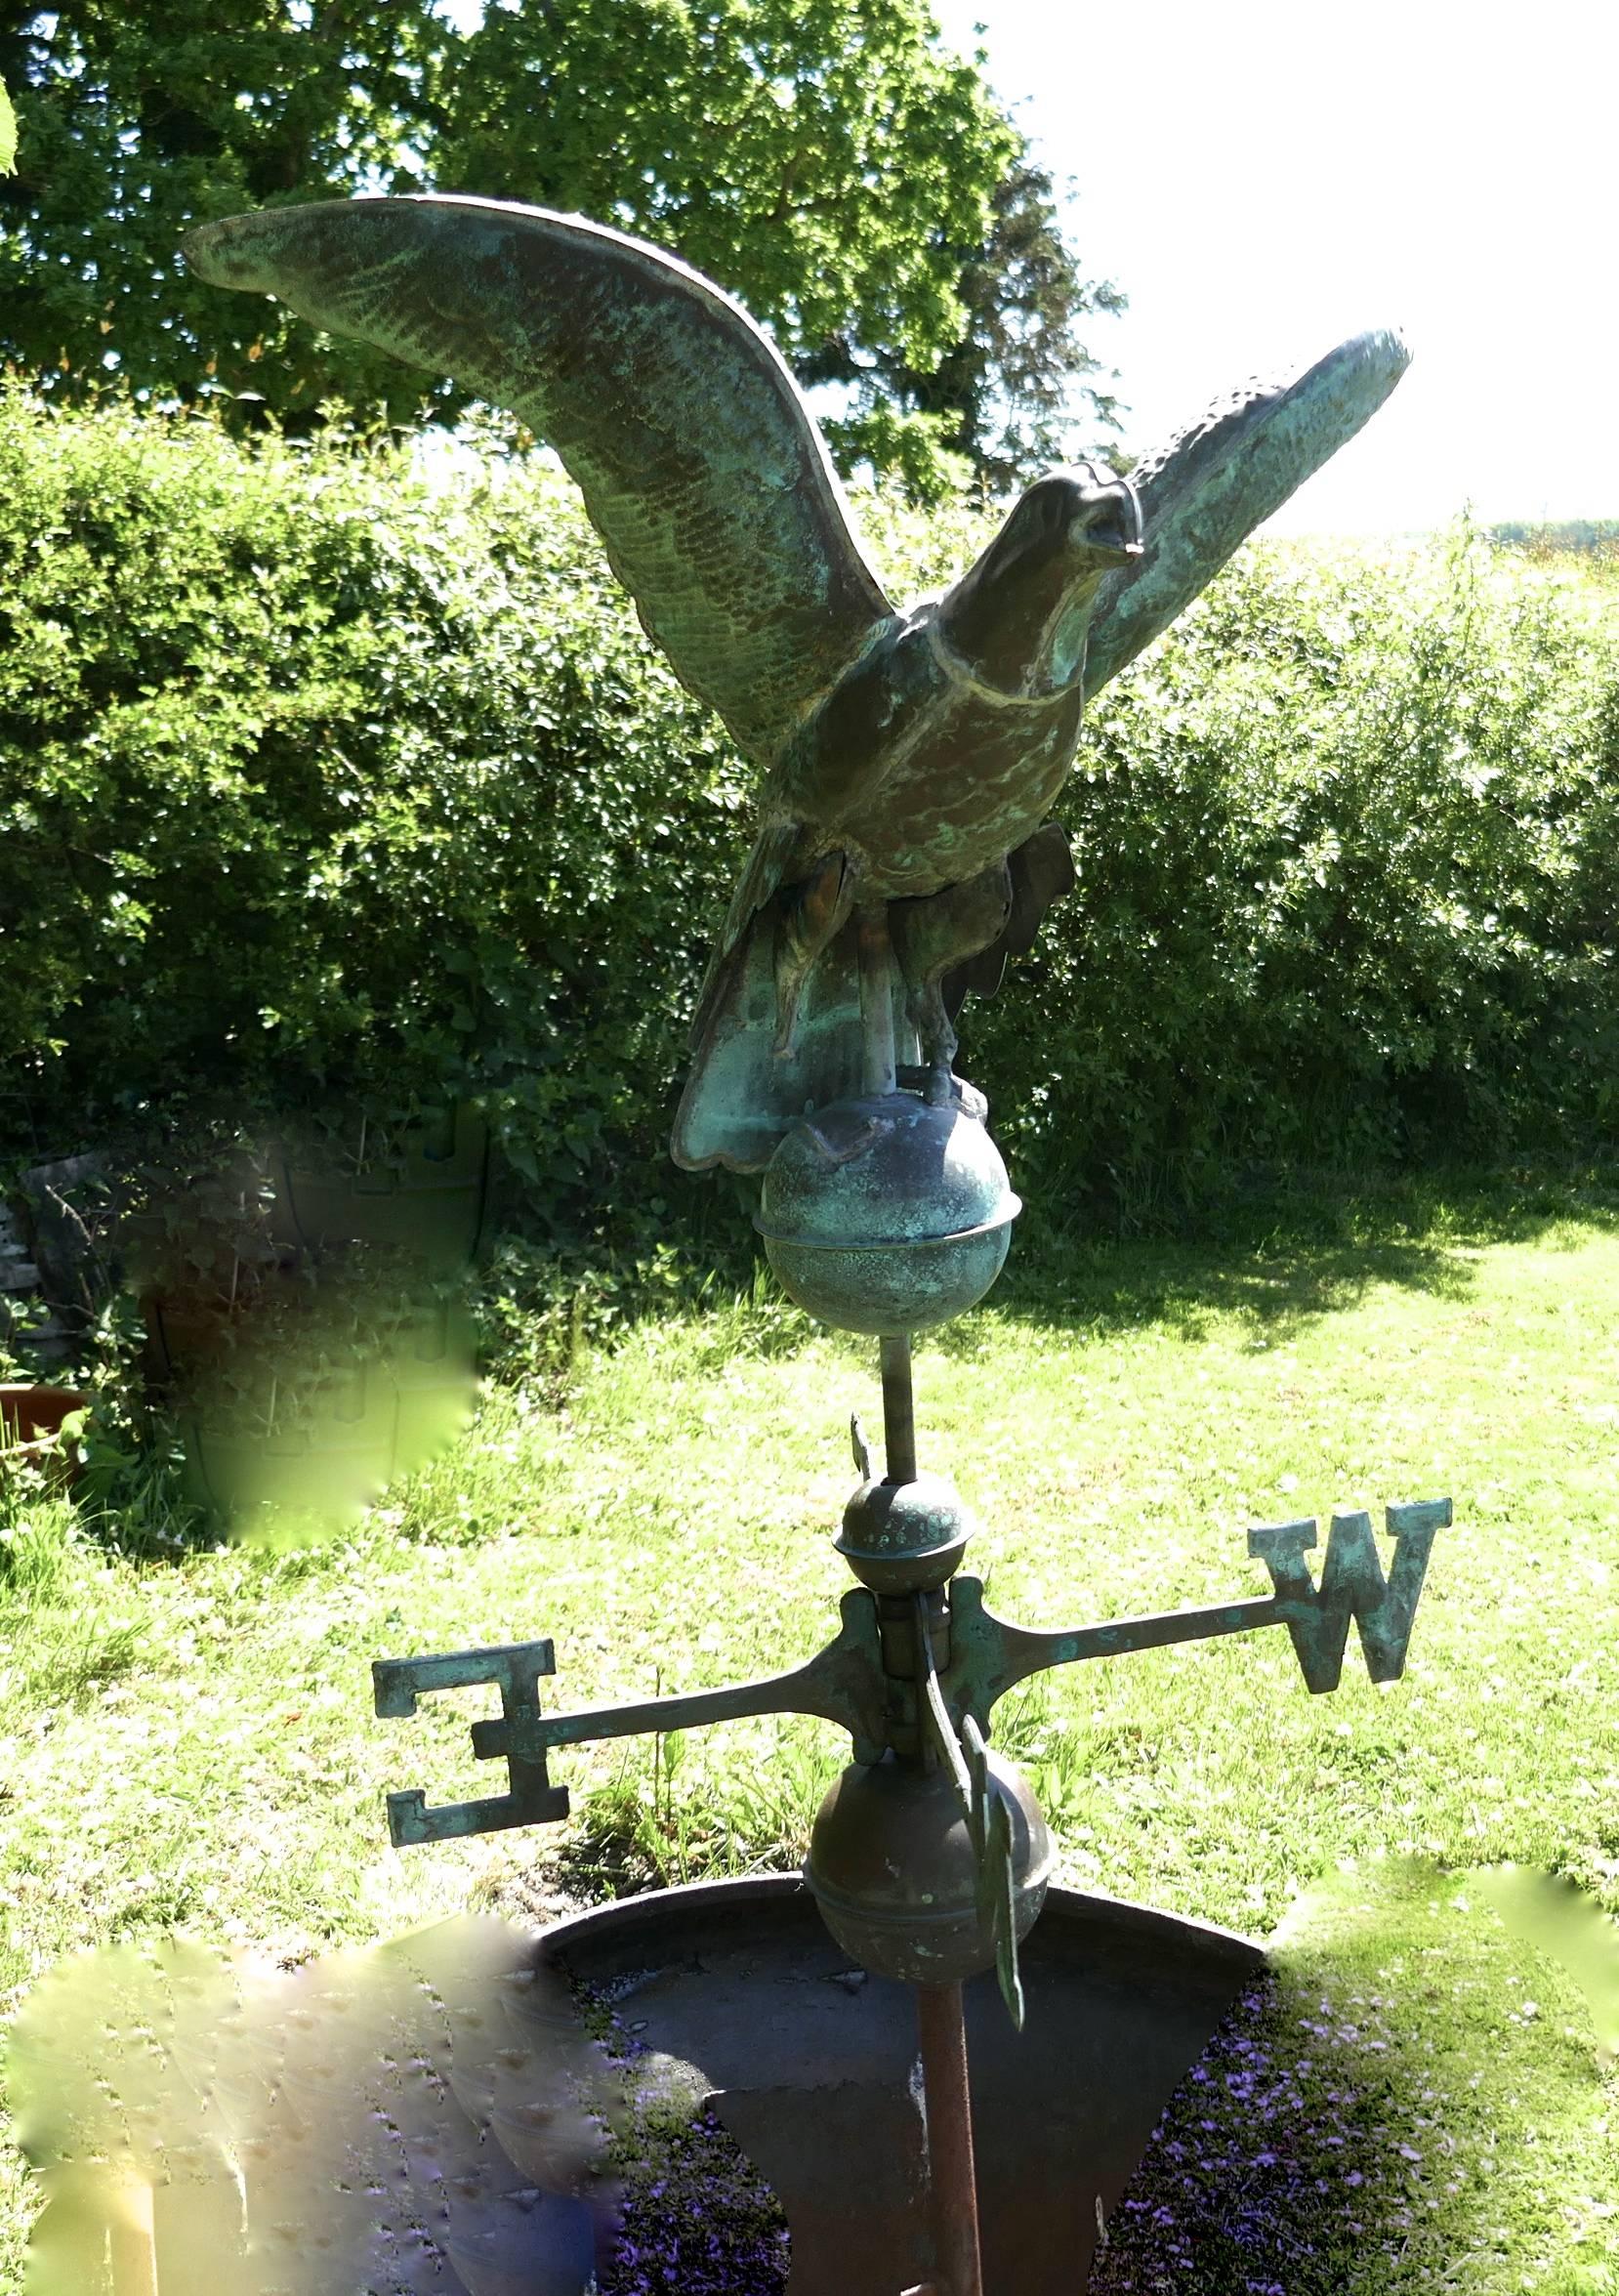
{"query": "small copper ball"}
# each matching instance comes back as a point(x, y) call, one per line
point(892, 1869)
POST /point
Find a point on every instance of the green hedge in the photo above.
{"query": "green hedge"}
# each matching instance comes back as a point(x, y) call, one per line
point(322, 782)
point(333, 778)
point(1349, 881)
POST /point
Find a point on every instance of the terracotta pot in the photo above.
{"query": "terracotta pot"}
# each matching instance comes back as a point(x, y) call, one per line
point(30, 1422)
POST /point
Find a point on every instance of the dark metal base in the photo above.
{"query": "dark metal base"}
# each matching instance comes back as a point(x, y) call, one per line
point(810, 2064)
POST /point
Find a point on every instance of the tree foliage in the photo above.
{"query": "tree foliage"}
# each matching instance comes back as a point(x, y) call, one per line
point(849, 179)
point(823, 159)
point(137, 123)
point(1003, 396)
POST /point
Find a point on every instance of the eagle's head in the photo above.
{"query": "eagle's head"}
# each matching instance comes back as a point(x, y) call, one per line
point(1098, 512)
point(1018, 615)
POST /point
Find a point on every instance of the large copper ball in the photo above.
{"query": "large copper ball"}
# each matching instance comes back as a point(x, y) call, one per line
point(893, 1871)
point(888, 1214)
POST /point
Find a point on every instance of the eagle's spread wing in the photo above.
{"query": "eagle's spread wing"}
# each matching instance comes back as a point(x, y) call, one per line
point(1204, 493)
point(700, 465)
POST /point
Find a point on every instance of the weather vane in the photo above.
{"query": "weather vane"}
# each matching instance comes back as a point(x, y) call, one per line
point(908, 762)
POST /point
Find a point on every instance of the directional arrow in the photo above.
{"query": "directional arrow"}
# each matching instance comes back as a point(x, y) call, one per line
point(1352, 1585)
point(989, 1654)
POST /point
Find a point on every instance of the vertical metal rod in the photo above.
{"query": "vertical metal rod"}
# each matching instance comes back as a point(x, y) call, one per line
point(877, 1002)
point(952, 2185)
point(898, 1410)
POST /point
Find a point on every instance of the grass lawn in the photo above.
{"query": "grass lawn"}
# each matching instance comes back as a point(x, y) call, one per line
point(190, 1742)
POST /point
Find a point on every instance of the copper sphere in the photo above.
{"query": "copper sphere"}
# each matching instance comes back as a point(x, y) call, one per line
point(892, 1869)
point(888, 1214)
point(902, 1538)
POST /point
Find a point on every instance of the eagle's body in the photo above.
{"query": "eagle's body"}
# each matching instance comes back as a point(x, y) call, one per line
point(970, 770)
point(937, 752)
point(908, 760)
point(919, 783)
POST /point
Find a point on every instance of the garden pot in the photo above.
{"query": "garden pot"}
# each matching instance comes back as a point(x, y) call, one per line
point(740, 1999)
point(30, 1426)
point(433, 1367)
point(322, 1469)
point(427, 1200)
point(381, 1418)
point(184, 1334)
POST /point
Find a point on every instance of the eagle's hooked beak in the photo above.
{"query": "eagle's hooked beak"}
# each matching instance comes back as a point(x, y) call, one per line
point(1106, 523)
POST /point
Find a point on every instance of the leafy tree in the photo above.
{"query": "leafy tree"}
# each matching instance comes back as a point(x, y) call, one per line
point(139, 122)
point(8, 133)
point(851, 181)
point(815, 156)
point(1001, 395)
point(1010, 379)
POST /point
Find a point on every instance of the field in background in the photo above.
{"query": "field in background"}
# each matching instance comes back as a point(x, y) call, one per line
point(1592, 539)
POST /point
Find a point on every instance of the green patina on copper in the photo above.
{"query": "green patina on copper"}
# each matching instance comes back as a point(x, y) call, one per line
point(929, 1858)
point(852, 1681)
point(908, 759)
point(887, 1214)
point(908, 756)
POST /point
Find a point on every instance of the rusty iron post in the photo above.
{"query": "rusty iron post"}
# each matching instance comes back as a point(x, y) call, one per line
point(952, 2184)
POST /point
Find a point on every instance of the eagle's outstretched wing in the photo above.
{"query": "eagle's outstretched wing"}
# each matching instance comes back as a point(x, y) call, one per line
point(1206, 491)
point(701, 468)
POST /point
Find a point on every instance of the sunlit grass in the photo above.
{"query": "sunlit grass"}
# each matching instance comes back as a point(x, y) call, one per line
point(192, 1742)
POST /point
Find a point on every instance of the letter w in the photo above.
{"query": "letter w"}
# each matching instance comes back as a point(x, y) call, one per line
point(1352, 1585)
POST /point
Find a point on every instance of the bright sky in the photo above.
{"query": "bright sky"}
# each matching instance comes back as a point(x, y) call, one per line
point(1266, 176)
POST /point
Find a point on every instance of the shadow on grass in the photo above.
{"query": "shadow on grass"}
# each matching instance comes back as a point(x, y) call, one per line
point(1281, 1255)
point(1276, 1254)
point(1277, 1250)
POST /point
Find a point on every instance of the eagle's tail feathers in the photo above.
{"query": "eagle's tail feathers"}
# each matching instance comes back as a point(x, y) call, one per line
point(743, 1095)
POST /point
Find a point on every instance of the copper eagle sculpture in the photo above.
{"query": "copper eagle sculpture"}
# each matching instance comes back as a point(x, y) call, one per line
point(908, 758)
